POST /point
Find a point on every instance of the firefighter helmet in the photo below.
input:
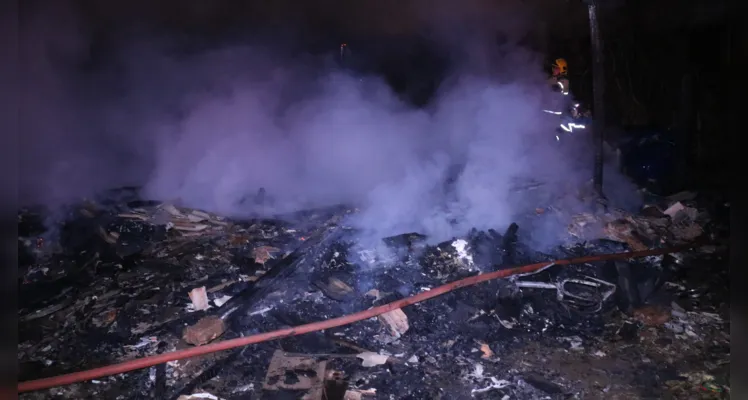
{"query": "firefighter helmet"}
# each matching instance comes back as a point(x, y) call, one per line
point(560, 67)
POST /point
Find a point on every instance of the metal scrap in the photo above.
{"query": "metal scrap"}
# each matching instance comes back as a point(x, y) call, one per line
point(580, 297)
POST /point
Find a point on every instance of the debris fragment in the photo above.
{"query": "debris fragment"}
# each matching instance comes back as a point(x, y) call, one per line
point(495, 384)
point(584, 226)
point(199, 298)
point(543, 384)
point(375, 294)
point(248, 278)
point(196, 396)
point(575, 342)
point(140, 217)
point(109, 237)
point(588, 294)
point(172, 210)
point(263, 253)
point(44, 312)
point(105, 318)
point(221, 300)
point(357, 394)
point(198, 216)
point(334, 288)
point(144, 341)
point(352, 395)
point(486, 349)
point(189, 226)
point(395, 321)
point(677, 224)
point(651, 316)
point(221, 286)
point(622, 230)
point(674, 209)
point(204, 331)
point(244, 388)
point(461, 246)
point(371, 359)
point(300, 373)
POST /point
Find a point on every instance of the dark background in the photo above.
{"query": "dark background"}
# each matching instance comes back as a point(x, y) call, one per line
point(665, 61)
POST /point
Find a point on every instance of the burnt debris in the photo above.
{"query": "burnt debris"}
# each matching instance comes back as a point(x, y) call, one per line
point(124, 277)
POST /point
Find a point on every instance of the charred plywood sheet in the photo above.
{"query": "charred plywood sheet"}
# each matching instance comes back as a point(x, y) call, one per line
point(295, 373)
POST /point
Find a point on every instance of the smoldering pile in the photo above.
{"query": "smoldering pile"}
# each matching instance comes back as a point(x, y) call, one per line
point(127, 277)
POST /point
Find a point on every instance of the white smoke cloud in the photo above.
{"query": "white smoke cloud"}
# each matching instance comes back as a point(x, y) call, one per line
point(210, 128)
point(348, 140)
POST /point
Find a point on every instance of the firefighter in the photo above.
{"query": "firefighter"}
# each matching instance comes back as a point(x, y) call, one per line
point(559, 83)
point(563, 107)
point(559, 79)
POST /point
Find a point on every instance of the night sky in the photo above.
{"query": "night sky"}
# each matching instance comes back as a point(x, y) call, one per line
point(388, 29)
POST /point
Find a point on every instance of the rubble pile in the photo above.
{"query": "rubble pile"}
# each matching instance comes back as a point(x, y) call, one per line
point(654, 226)
point(124, 278)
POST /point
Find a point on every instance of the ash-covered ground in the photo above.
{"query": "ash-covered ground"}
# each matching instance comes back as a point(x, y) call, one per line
point(124, 277)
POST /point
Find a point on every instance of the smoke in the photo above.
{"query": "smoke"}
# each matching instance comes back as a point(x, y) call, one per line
point(209, 128)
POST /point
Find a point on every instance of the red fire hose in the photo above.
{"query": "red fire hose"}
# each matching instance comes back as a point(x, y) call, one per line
point(150, 361)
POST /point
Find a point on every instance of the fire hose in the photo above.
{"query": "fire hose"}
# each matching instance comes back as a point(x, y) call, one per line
point(145, 362)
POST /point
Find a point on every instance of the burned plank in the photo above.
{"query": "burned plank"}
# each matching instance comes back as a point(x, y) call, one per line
point(285, 267)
